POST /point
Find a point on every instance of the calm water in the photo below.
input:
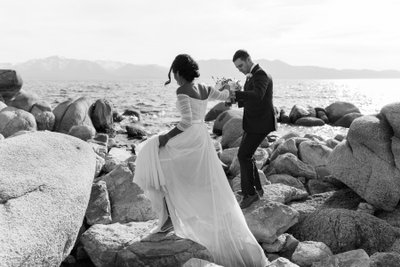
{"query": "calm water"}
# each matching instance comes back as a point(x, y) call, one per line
point(157, 102)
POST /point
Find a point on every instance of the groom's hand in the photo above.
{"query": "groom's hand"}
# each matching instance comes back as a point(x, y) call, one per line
point(163, 139)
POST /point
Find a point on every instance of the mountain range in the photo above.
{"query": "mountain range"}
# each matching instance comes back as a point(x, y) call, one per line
point(59, 68)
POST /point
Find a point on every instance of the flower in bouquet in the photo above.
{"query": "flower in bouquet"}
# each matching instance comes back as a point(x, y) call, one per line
point(234, 85)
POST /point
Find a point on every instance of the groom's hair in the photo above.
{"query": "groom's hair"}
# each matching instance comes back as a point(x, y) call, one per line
point(242, 54)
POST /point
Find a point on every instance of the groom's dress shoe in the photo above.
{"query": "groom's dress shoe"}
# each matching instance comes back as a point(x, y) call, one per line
point(248, 200)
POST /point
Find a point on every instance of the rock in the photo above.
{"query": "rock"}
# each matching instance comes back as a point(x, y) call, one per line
point(10, 84)
point(45, 186)
point(286, 179)
point(101, 115)
point(314, 153)
point(128, 202)
point(353, 258)
point(277, 246)
point(375, 134)
point(288, 146)
point(290, 164)
point(99, 208)
point(283, 193)
point(267, 220)
point(343, 230)
point(391, 114)
point(321, 114)
point(231, 131)
point(332, 143)
point(132, 112)
point(374, 179)
point(338, 109)
point(44, 117)
point(391, 217)
point(385, 259)
point(347, 119)
point(366, 207)
point(132, 245)
point(308, 252)
point(115, 157)
point(136, 131)
point(2, 105)
point(298, 112)
point(283, 117)
point(228, 155)
point(317, 186)
point(193, 262)
point(213, 113)
point(282, 262)
point(291, 244)
point(76, 113)
point(223, 118)
point(13, 120)
point(309, 122)
point(24, 100)
point(83, 132)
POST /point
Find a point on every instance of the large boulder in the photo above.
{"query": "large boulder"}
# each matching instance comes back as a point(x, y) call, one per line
point(223, 118)
point(13, 120)
point(128, 202)
point(74, 113)
point(309, 122)
point(347, 119)
point(24, 100)
point(132, 245)
point(314, 153)
point(102, 115)
point(290, 164)
point(366, 162)
point(231, 131)
point(44, 117)
point(10, 84)
point(213, 113)
point(45, 186)
point(343, 230)
point(298, 112)
point(338, 109)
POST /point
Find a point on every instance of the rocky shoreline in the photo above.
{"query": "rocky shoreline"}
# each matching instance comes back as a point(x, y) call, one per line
point(328, 201)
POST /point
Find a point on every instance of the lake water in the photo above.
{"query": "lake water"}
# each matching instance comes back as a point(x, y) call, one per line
point(157, 102)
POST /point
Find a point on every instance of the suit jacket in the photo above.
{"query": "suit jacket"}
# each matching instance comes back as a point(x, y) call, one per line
point(256, 99)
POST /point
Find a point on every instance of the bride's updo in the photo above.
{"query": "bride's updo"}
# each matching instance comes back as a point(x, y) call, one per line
point(186, 66)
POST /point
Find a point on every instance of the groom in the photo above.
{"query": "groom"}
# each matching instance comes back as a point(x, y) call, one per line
point(258, 121)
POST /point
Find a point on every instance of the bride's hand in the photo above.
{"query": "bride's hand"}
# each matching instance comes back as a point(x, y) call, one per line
point(163, 139)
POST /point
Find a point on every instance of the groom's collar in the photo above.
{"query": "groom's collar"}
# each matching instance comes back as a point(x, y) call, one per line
point(252, 68)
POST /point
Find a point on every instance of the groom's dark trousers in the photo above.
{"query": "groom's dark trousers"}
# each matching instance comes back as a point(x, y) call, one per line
point(250, 178)
point(258, 121)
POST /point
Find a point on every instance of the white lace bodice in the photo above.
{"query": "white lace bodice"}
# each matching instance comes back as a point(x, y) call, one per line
point(193, 110)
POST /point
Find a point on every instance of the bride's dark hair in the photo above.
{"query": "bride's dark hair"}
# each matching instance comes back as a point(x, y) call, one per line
point(186, 66)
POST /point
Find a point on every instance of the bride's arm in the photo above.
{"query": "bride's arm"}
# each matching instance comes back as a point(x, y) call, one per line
point(214, 94)
point(185, 122)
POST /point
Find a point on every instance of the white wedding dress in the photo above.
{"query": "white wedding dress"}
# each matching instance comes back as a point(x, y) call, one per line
point(188, 174)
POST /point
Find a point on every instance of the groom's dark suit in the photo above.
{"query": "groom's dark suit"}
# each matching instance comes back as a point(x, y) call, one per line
point(258, 121)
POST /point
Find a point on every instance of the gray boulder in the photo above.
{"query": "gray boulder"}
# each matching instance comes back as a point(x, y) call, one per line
point(352, 258)
point(338, 109)
point(102, 115)
point(290, 164)
point(10, 84)
point(347, 119)
point(24, 100)
point(299, 111)
point(99, 208)
point(45, 186)
point(309, 122)
point(132, 245)
point(84, 132)
point(314, 153)
point(385, 259)
point(44, 117)
point(231, 131)
point(213, 113)
point(343, 230)
point(13, 120)
point(76, 113)
point(223, 118)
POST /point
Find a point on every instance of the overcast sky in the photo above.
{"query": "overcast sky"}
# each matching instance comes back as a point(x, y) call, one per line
point(328, 33)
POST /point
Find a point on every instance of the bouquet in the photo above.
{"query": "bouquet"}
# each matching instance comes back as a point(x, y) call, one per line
point(234, 85)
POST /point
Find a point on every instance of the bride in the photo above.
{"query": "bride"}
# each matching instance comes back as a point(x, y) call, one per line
point(181, 174)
